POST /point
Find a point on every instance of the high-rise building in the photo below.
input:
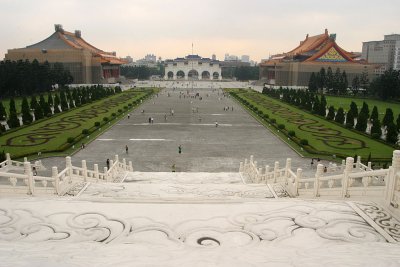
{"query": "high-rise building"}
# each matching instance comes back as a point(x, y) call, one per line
point(245, 58)
point(381, 53)
point(396, 64)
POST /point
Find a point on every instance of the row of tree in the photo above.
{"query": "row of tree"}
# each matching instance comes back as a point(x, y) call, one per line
point(55, 103)
point(335, 83)
point(19, 78)
point(142, 72)
point(318, 105)
point(387, 85)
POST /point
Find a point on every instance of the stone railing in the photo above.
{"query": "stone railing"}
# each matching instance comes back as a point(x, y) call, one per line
point(354, 180)
point(60, 182)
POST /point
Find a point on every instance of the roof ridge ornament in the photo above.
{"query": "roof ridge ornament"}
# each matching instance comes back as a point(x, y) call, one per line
point(58, 28)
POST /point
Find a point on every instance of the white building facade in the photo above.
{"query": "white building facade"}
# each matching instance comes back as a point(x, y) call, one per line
point(192, 67)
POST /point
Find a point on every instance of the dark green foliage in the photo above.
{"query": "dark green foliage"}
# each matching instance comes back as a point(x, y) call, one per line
point(45, 106)
point(12, 106)
point(376, 129)
point(331, 113)
point(322, 106)
point(362, 121)
point(353, 109)
point(97, 124)
point(374, 114)
point(85, 131)
point(387, 85)
point(272, 120)
point(398, 123)
point(388, 118)
point(312, 83)
point(105, 119)
point(70, 140)
point(13, 120)
point(339, 118)
point(3, 114)
point(18, 78)
point(281, 126)
point(63, 101)
point(349, 120)
point(26, 112)
point(292, 133)
point(304, 142)
point(57, 104)
point(365, 109)
point(2, 156)
point(392, 134)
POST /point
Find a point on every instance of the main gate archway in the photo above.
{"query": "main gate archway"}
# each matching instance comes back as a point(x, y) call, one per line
point(205, 75)
point(193, 75)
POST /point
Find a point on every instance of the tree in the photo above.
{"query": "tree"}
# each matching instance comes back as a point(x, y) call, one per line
point(350, 119)
point(398, 123)
point(322, 79)
point(12, 106)
point(38, 112)
point(57, 104)
point(344, 83)
point(353, 109)
point(376, 129)
point(388, 118)
point(3, 114)
point(316, 106)
point(362, 122)
point(312, 83)
point(64, 103)
point(365, 109)
point(331, 113)
point(388, 84)
point(26, 111)
point(355, 85)
point(374, 114)
point(339, 118)
point(13, 120)
point(329, 80)
point(322, 106)
point(391, 134)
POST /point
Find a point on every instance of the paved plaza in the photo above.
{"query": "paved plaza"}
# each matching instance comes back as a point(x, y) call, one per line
point(154, 147)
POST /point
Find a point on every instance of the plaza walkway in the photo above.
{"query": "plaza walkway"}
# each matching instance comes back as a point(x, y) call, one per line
point(205, 147)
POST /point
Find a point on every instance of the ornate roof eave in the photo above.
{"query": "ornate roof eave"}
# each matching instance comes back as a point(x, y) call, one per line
point(331, 44)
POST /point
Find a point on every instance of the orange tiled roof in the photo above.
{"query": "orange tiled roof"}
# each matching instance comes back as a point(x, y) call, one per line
point(310, 43)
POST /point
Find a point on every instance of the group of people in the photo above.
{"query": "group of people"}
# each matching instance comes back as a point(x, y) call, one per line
point(226, 108)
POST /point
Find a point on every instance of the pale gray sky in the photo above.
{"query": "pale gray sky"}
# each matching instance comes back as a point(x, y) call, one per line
point(167, 28)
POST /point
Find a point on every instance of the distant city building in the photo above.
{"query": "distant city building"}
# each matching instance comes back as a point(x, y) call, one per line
point(128, 59)
point(245, 58)
point(295, 67)
point(396, 64)
point(192, 67)
point(86, 63)
point(382, 53)
point(214, 57)
point(149, 61)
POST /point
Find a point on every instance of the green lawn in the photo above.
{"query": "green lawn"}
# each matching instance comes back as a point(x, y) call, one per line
point(323, 136)
point(344, 102)
point(51, 134)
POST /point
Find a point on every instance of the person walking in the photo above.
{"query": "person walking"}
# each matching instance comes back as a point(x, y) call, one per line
point(108, 164)
point(129, 115)
point(216, 123)
point(126, 149)
point(180, 149)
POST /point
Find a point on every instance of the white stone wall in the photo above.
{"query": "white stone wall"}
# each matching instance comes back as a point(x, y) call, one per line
point(188, 65)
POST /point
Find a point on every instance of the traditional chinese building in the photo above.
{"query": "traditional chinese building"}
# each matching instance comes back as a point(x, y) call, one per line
point(294, 68)
point(86, 63)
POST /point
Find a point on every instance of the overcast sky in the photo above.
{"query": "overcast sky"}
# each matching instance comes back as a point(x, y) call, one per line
point(167, 28)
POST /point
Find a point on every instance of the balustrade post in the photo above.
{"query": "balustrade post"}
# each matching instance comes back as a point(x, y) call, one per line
point(68, 164)
point(393, 179)
point(343, 166)
point(318, 174)
point(288, 166)
point(124, 164)
point(25, 159)
point(369, 165)
point(116, 158)
point(267, 169)
point(105, 174)
point(251, 159)
point(96, 172)
point(29, 174)
point(111, 172)
point(259, 174)
point(8, 159)
point(276, 169)
point(241, 167)
point(84, 172)
point(358, 163)
point(54, 175)
point(130, 166)
point(345, 181)
point(299, 174)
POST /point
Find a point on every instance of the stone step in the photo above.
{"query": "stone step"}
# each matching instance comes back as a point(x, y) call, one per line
point(184, 177)
point(182, 192)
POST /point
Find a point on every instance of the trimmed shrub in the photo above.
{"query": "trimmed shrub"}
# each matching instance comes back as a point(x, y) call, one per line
point(281, 126)
point(304, 142)
point(292, 133)
point(125, 107)
point(113, 114)
point(105, 119)
point(273, 120)
point(85, 131)
point(70, 140)
point(119, 110)
point(266, 116)
point(97, 124)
